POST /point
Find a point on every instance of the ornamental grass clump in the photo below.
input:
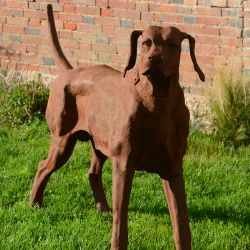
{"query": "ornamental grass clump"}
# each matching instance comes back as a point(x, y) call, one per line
point(22, 101)
point(230, 106)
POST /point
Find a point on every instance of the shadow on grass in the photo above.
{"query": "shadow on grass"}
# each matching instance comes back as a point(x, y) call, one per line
point(221, 214)
point(199, 214)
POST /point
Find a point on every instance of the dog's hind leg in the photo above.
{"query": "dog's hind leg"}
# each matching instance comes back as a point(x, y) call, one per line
point(59, 153)
point(174, 190)
point(95, 179)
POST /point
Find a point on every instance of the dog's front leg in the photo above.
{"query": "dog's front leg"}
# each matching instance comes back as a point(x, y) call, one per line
point(122, 177)
point(174, 189)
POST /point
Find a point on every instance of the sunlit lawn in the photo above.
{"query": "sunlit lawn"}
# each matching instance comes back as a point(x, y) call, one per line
point(217, 183)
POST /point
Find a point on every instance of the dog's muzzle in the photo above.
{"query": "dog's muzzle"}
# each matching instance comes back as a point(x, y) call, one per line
point(152, 65)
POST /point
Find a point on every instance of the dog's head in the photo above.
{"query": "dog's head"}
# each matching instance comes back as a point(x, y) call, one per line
point(160, 51)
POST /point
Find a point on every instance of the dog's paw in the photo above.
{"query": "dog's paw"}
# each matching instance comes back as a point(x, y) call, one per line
point(102, 207)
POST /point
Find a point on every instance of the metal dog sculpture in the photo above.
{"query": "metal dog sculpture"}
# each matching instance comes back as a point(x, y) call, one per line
point(138, 119)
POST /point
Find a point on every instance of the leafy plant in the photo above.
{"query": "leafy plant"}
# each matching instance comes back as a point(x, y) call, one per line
point(22, 101)
point(230, 106)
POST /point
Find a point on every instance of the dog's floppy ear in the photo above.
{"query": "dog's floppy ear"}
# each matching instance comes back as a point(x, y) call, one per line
point(192, 54)
point(133, 50)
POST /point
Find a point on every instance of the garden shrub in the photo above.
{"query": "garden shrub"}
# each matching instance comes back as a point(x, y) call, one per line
point(22, 101)
point(230, 106)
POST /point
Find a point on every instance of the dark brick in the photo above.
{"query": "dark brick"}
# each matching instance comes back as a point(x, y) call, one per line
point(190, 19)
point(48, 61)
point(229, 12)
point(31, 31)
point(127, 23)
point(102, 39)
point(236, 22)
point(15, 38)
point(247, 33)
point(204, 2)
point(177, 1)
point(89, 19)
point(184, 10)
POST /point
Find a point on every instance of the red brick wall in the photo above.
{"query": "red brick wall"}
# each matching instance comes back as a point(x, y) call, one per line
point(97, 31)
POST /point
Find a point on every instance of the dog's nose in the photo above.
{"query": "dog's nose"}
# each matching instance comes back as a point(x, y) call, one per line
point(155, 58)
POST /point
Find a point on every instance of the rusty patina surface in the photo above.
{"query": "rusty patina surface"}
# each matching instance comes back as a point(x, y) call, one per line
point(137, 118)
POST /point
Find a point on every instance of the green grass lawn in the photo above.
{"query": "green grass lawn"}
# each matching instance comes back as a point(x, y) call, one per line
point(217, 183)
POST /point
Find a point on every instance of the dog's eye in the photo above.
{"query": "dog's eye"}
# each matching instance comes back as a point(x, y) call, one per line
point(147, 43)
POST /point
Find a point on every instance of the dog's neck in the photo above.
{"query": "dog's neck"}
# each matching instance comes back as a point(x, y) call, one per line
point(156, 91)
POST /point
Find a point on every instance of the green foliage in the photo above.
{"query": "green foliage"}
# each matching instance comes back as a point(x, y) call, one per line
point(217, 184)
point(230, 106)
point(22, 101)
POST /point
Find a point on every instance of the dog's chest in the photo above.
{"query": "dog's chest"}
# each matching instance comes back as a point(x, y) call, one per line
point(140, 130)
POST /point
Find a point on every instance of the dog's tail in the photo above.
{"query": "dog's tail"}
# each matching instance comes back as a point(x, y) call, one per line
point(60, 58)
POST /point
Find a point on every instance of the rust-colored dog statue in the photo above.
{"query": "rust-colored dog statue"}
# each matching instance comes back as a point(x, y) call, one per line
point(138, 119)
